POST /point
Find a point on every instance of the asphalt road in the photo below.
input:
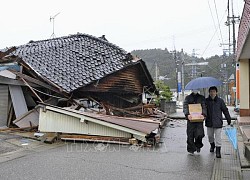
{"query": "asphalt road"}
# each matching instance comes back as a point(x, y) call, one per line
point(111, 161)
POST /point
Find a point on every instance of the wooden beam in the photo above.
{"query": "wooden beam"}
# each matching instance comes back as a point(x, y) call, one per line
point(33, 80)
point(5, 80)
point(10, 50)
point(92, 138)
point(17, 129)
point(10, 115)
point(32, 90)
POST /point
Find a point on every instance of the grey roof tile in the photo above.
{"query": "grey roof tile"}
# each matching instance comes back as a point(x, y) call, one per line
point(73, 61)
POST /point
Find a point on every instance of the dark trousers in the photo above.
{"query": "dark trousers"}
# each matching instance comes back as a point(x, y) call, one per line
point(195, 133)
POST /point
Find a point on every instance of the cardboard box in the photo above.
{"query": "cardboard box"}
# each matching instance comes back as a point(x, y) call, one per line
point(195, 111)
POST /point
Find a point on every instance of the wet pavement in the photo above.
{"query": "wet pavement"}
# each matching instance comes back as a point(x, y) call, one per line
point(5, 143)
point(81, 160)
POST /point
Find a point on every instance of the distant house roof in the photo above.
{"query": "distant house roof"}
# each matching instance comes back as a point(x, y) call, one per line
point(73, 61)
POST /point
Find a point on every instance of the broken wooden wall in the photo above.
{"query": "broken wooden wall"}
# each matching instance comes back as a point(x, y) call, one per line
point(121, 89)
point(126, 81)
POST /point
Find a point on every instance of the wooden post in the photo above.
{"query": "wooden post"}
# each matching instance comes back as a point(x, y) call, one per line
point(32, 90)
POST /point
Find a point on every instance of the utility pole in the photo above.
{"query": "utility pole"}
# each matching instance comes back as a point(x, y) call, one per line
point(182, 74)
point(229, 30)
point(194, 67)
point(232, 20)
point(156, 71)
point(176, 74)
point(233, 23)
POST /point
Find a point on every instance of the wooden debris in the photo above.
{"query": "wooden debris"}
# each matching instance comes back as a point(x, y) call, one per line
point(31, 118)
point(133, 141)
point(10, 115)
point(10, 50)
point(104, 139)
point(49, 137)
point(20, 129)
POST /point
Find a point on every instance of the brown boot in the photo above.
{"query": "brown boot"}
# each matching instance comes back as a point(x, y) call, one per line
point(218, 155)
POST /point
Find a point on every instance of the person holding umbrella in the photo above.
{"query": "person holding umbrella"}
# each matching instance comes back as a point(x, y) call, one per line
point(195, 130)
point(214, 121)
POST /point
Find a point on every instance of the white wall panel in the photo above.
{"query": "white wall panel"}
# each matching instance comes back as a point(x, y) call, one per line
point(50, 121)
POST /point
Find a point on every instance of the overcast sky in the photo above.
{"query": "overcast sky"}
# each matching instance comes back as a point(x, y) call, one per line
point(130, 24)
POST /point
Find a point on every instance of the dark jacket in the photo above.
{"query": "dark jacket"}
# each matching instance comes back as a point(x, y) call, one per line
point(194, 99)
point(215, 108)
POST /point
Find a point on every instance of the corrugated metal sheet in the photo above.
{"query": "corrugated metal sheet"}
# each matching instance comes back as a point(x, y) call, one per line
point(131, 123)
point(50, 121)
point(4, 98)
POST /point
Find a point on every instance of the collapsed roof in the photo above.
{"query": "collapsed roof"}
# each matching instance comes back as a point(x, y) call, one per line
point(74, 61)
point(92, 73)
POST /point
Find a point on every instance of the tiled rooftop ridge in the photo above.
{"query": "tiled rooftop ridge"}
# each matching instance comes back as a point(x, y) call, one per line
point(73, 61)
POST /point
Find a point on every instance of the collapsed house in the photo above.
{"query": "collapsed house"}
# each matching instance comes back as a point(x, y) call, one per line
point(78, 85)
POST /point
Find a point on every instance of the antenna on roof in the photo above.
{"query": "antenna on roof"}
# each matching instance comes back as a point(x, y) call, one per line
point(53, 21)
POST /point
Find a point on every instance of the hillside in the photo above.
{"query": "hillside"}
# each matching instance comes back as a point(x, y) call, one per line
point(221, 67)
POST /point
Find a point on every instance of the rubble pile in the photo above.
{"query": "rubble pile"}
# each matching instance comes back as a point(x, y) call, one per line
point(77, 87)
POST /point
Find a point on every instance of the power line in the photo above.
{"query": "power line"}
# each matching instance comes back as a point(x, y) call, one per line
point(212, 16)
point(218, 21)
point(212, 37)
